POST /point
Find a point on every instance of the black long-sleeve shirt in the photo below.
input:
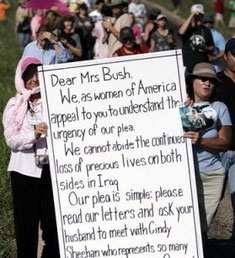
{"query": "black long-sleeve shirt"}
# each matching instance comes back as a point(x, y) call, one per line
point(227, 96)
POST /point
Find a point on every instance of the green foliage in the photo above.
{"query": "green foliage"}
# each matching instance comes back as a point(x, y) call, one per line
point(9, 55)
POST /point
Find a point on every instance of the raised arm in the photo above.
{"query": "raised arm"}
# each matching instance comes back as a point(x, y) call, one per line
point(184, 27)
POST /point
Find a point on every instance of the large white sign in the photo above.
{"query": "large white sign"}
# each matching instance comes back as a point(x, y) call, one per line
point(123, 177)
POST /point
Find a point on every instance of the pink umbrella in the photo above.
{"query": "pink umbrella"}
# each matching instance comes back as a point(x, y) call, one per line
point(62, 8)
point(48, 4)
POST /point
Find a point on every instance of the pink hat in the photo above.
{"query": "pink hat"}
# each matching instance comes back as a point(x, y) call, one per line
point(27, 62)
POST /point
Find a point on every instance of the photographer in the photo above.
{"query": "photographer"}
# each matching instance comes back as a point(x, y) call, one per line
point(70, 39)
point(25, 133)
point(197, 40)
point(46, 47)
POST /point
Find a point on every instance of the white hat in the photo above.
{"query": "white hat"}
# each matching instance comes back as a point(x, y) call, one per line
point(161, 16)
point(197, 8)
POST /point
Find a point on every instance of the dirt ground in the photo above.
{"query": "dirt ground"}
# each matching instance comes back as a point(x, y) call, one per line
point(222, 223)
point(219, 244)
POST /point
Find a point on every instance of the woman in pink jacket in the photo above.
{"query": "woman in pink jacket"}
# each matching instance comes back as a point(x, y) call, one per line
point(25, 133)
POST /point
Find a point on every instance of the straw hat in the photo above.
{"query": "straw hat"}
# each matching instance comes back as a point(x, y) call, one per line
point(203, 70)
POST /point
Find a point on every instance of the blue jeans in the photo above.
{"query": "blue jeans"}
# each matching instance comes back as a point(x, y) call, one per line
point(228, 160)
point(24, 39)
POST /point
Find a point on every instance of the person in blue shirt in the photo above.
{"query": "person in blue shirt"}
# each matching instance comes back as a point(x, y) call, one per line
point(209, 141)
point(216, 59)
point(46, 47)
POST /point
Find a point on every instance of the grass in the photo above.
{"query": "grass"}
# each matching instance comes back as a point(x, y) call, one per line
point(9, 55)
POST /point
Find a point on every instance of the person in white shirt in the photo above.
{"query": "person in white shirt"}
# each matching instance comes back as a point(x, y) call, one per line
point(139, 10)
point(120, 19)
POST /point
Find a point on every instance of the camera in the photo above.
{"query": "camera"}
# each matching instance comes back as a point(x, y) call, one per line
point(41, 160)
point(198, 43)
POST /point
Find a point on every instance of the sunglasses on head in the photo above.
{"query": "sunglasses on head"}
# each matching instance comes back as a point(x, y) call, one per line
point(163, 18)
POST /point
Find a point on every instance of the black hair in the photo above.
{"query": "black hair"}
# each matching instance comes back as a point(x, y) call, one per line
point(44, 28)
point(68, 18)
point(190, 92)
point(99, 2)
point(26, 70)
point(153, 14)
point(83, 6)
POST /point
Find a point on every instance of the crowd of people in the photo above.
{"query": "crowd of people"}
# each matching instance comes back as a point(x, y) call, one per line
point(105, 29)
point(92, 30)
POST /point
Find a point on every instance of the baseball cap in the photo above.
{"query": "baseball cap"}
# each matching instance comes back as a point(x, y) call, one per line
point(208, 18)
point(199, 8)
point(127, 33)
point(161, 16)
point(230, 46)
point(27, 62)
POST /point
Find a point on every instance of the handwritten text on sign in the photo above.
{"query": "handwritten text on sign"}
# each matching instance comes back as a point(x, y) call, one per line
point(121, 169)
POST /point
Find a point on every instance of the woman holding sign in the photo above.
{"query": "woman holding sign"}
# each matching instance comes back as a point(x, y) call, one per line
point(25, 134)
point(207, 123)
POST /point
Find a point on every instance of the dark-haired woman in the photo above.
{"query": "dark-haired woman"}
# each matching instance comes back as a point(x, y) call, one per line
point(209, 142)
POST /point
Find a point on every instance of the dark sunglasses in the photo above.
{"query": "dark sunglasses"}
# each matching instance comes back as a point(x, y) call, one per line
point(163, 18)
point(208, 22)
point(204, 79)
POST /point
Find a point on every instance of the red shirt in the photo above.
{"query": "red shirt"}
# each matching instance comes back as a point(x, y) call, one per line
point(138, 49)
point(219, 6)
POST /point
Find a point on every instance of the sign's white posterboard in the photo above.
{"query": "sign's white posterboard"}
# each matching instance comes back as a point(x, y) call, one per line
point(123, 176)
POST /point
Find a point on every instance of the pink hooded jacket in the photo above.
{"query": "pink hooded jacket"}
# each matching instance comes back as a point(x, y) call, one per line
point(19, 134)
